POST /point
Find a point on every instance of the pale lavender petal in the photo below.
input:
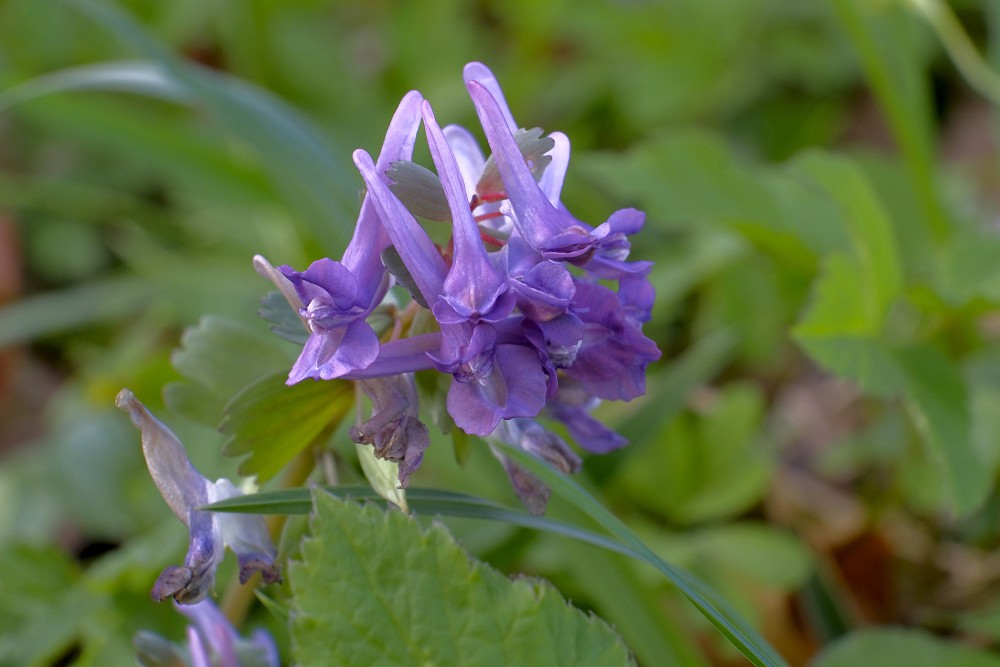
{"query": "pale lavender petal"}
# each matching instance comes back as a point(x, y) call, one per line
point(211, 626)
point(551, 182)
point(553, 232)
point(181, 486)
point(185, 491)
point(362, 256)
point(199, 652)
point(482, 75)
point(415, 248)
point(191, 582)
point(473, 287)
point(470, 159)
point(246, 535)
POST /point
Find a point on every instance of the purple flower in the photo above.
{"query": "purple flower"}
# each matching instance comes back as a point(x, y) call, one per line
point(185, 490)
point(394, 430)
point(211, 640)
point(549, 229)
point(491, 381)
point(572, 406)
point(612, 359)
point(336, 297)
point(474, 289)
point(213, 636)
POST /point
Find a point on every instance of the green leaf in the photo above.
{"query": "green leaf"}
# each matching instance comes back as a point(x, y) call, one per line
point(71, 308)
point(892, 46)
point(282, 320)
point(423, 601)
point(898, 647)
point(273, 422)
point(220, 357)
point(131, 77)
point(939, 401)
point(703, 466)
point(936, 397)
point(383, 475)
point(419, 189)
point(430, 502)
point(34, 581)
point(762, 552)
point(873, 243)
point(395, 265)
point(533, 148)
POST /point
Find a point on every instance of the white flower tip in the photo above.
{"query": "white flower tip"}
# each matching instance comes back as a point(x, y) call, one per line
point(126, 400)
point(267, 271)
point(363, 160)
point(476, 71)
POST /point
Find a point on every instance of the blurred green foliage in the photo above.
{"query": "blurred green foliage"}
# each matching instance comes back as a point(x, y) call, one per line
point(828, 277)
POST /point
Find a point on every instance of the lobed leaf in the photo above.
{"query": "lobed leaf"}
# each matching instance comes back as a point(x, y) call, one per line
point(420, 599)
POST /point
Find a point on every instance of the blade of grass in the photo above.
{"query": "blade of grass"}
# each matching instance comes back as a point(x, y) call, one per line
point(297, 157)
point(747, 640)
point(900, 87)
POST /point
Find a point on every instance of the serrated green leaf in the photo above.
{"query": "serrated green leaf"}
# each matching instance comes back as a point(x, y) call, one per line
point(282, 320)
point(899, 647)
point(423, 601)
point(220, 357)
point(420, 190)
point(272, 422)
point(394, 264)
point(533, 148)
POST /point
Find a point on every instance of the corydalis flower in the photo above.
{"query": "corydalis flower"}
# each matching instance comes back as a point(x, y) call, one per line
point(395, 431)
point(211, 640)
point(334, 298)
point(185, 490)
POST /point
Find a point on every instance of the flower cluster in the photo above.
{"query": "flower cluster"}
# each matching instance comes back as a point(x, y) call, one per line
point(533, 309)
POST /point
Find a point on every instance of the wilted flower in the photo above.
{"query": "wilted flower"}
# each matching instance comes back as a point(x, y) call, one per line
point(395, 430)
point(185, 490)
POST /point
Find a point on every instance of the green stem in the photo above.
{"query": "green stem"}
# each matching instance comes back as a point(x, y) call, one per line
point(910, 126)
point(959, 47)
